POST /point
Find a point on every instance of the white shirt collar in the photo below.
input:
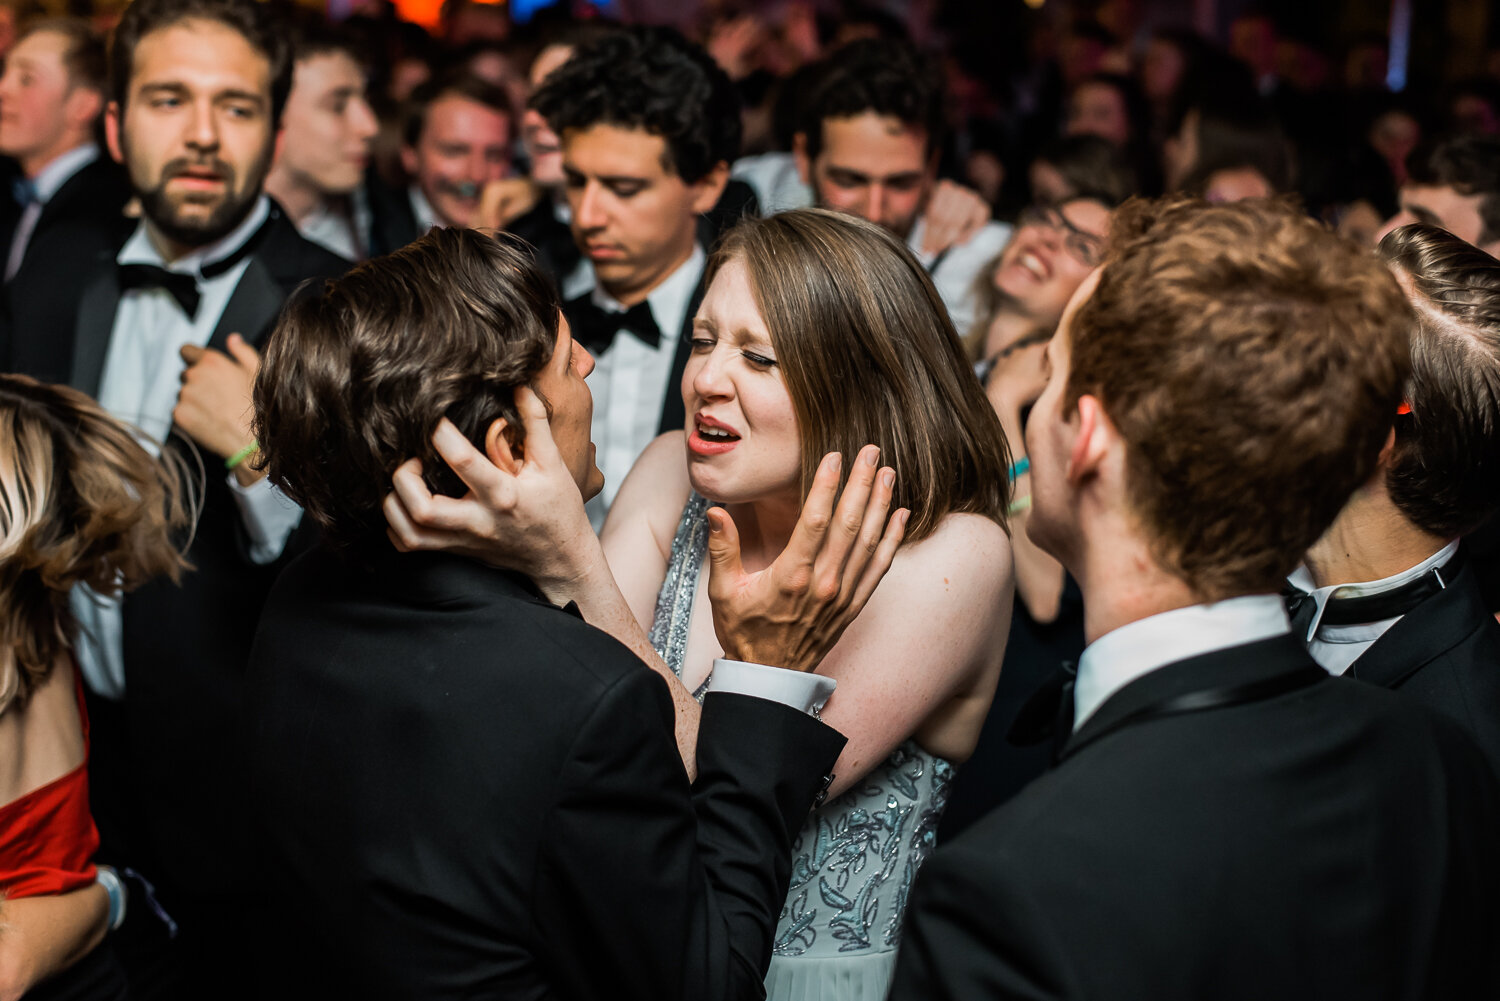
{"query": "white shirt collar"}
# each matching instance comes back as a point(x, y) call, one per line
point(1302, 579)
point(422, 211)
point(669, 300)
point(60, 169)
point(140, 250)
point(1119, 657)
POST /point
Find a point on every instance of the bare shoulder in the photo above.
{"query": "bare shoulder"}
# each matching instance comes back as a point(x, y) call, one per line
point(968, 557)
point(652, 496)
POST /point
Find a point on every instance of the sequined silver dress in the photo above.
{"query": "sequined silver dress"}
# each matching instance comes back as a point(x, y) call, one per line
point(854, 860)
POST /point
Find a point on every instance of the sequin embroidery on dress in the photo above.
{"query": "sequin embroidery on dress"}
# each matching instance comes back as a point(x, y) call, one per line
point(854, 861)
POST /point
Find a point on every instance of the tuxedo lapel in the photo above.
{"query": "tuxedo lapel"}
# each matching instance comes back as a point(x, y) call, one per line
point(1247, 664)
point(251, 309)
point(673, 414)
point(96, 320)
point(1424, 634)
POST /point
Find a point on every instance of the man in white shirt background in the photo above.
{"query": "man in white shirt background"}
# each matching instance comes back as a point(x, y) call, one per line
point(649, 125)
point(69, 200)
point(1387, 596)
point(873, 128)
point(457, 137)
point(1217, 390)
point(328, 132)
point(164, 334)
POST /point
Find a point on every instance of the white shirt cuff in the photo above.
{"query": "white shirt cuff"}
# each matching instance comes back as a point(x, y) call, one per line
point(804, 692)
point(269, 517)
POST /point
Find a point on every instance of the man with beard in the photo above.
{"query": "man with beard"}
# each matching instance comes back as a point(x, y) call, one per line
point(165, 337)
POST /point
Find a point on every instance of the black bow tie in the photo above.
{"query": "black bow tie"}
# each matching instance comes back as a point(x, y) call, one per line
point(1047, 712)
point(1366, 608)
point(182, 286)
point(595, 328)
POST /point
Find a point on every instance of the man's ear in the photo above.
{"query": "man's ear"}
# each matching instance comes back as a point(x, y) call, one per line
point(409, 161)
point(82, 106)
point(501, 447)
point(1094, 435)
point(1387, 453)
point(279, 144)
point(112, 131)
point(799, 157)
point(710, 187)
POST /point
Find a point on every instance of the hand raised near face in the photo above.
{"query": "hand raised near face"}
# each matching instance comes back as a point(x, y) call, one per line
point(792, 613)
point(953, 215)
point(214, 407)
point(1019, 375)
point(504, 201)
point(529, 519)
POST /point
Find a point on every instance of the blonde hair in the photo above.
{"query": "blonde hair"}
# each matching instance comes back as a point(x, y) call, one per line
point(81, 502)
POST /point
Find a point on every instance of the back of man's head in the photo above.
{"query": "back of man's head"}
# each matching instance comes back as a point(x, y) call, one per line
point(359, 371)
point(1444, 474)
point(1470, 165)
point(255, 21)
point(1251, 361)
point(881, 77)
point(655, 81)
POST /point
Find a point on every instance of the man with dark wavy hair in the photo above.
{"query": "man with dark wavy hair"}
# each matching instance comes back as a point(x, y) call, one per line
point(1388, 595)
point(1454, 184)
point(649, 125)
point(1222, 820)
point(463, 789)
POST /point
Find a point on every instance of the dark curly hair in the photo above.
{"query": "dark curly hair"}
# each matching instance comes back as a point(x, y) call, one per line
point(889, 78)
point(1445, 471)
point(360, 369)
point(651, 79)
point(256, 21)
point(1470, 165)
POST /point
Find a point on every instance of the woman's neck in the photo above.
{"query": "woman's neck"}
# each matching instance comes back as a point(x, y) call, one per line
point(765, 527)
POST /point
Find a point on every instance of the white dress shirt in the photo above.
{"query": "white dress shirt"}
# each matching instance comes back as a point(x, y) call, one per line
point(1117, 658)
point(47, 182)
point(803, 691)
point(422, 210)
point(332, 230)
point(955, 270)
point(141, 380)
point(629, 382)
point(1337, 647)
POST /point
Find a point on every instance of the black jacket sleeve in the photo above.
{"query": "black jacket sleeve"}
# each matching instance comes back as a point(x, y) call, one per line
point(645, 892)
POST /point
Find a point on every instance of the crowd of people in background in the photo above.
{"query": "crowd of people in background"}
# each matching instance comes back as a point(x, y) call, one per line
point(594, 510)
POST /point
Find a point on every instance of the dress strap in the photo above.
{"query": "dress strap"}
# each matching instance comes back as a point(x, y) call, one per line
point(674, 602)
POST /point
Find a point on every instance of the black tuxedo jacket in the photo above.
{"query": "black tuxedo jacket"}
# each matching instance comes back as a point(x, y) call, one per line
point(1445, 654)
point(464, 791)
point(1334, 841)
point(81, 223)
point(186, 645)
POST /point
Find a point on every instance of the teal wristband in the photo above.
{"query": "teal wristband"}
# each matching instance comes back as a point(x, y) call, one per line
point(242, 455)
point(1020, 469)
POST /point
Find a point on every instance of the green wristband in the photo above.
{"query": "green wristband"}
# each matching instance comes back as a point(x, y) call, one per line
point(242, 455)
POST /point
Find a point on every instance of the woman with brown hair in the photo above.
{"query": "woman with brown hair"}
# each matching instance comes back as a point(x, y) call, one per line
point(81, 502)
point(819, 333)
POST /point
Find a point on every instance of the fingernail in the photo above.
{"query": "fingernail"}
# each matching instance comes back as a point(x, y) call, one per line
point(871, 456)
point(714, 525)
point(888, 478)
point(833, 462)
point(905, 517)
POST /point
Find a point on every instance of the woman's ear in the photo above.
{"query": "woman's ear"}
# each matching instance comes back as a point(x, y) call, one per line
point(500, 446)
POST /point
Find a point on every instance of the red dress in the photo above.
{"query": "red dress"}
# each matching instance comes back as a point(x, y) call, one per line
point(47, 837)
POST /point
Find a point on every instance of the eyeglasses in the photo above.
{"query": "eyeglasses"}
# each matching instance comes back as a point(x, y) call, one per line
point(1085, 248)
